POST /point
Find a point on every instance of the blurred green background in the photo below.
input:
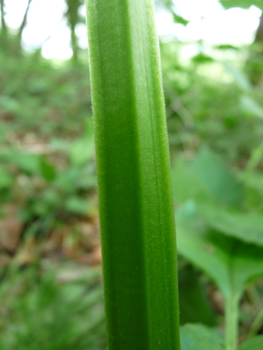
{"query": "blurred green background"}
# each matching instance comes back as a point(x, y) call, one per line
point(50, 263)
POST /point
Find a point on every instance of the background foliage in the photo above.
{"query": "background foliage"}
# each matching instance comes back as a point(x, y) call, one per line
point(51, 291)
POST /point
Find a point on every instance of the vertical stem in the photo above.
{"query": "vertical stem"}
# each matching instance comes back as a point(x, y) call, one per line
point(231, 318)
point(255, 56)
point(2, 7)
point(73, 18)
point(3, 36)
point(23, 24)
point(74, 45)
point(136, 211)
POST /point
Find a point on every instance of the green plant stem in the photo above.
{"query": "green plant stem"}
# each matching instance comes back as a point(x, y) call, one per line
point(231, 320)
point(24, 22)
point(135, 201)
point(4, 30)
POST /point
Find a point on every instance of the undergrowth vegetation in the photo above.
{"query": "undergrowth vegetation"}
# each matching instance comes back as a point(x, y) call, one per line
point(51, 290)
point(43, 310)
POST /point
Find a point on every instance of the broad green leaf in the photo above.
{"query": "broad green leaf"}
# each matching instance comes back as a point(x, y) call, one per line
point(28, 163)
point(246, 227)
point(255, 343)
point(245, 4)
point(229, 262)
point(252, 107)
point(180, 19)
point(48, 171)
point(6, 179)
point(77, 205)
point(201, 58)
point(186, 185)
point(217, 178)
point(198, 337)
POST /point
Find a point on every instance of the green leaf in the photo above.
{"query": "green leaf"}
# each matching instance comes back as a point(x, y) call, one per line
point(77, 205)
point(198, 337)
point(201, 58)
point(230, 263)
point(180, 19)
point(226, 47)
point(6, 179)
point(48, 171)
point(217, 178)
point(186, 185)
point(243, 226)
point(28, 163)
point(245, 4)
point(255, 343)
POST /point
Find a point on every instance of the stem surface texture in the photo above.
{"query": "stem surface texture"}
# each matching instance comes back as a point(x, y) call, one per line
point(135, 201)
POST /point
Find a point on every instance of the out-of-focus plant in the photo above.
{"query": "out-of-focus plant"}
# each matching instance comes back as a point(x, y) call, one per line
point(74, 18)
point(44, 310)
